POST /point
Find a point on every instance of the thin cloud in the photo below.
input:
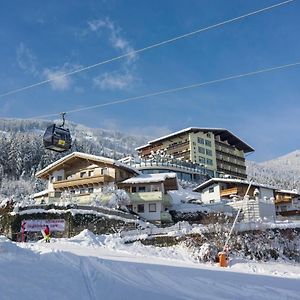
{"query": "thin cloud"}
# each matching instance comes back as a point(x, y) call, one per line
point(151, 131)
point(115, 37)
point(124, 78)
point(59, 82)
point(26, 60)
point(114, 81)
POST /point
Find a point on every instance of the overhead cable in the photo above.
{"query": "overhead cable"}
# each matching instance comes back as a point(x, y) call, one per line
point(173, 90)
point(128, 54)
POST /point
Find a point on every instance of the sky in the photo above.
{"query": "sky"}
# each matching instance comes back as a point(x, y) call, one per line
point(43, 39)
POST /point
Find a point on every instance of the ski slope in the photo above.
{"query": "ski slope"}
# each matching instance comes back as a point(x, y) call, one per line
point(98, 267)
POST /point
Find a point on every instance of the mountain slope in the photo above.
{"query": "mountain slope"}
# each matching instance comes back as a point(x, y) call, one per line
point(22, 153)
point(283, 171)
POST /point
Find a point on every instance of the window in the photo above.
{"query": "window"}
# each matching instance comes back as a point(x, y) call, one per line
point(72, 192)
point(211, 190)
point(201, 150)
point(140, 208)
point(152, 207)
point(59, 178)
point(201, 160)
point(82, 191)
point(51, 179)
point(57, 194)
point(208, 143)
point(211, 201)
point(208, 135)
point(209, 162)
point(90, 189)
point(142, 189)
point(208, 152)
point(200, 140)
point(155, 188)
point(104, 171)
point(91, 173)
point(133, 189)
point(82, 174)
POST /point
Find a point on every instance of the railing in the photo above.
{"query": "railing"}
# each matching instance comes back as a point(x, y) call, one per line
point(82, 181)
point(228, 192)
point(174, 146)
point(175, 165)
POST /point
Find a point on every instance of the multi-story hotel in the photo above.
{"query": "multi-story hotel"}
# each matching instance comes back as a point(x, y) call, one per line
point(218, 150)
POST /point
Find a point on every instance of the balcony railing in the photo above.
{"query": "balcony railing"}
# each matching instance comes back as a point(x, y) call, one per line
point(86, 181)
point(228, 192)
point(174, 146)
point(174, 164)
point(150, 196)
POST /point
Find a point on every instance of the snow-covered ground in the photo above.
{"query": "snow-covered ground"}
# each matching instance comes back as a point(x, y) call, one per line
point(102, 267)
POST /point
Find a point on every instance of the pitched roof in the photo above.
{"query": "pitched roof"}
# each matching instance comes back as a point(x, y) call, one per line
point(223, 133)
point(292, 192)
point(229, 180)
point(93, 158)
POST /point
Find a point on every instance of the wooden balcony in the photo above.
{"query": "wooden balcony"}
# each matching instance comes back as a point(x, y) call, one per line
point(179, 146)
point(86, 181)
point(228, 192)
point(237, 190)
point(283, 199)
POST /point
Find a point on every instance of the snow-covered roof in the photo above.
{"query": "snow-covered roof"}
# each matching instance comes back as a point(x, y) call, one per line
point(42, 193)
point(224, 134)
point(149, 178)
point(293, 192)
point(90, 157)
point(229, 180)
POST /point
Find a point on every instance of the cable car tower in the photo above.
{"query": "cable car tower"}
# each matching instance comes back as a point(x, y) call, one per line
point(57, 138)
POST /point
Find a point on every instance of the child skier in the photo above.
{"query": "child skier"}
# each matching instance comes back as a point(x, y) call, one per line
point(47, 234)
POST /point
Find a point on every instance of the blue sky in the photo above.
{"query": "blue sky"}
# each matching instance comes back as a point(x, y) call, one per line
point(40, 39)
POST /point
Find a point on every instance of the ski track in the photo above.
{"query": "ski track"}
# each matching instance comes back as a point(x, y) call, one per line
point(83, 272)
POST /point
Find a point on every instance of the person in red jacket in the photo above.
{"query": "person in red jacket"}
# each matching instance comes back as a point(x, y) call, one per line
point(47, 234)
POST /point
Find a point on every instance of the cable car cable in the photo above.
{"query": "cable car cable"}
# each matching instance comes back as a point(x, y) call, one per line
point(171, 40)
point(173, 90)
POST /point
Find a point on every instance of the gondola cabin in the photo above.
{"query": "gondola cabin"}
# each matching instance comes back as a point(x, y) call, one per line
point(57, 138)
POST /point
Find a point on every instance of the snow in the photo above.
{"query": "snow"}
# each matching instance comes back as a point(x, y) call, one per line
point(42, 193)
point(181, 199)
point(294, 192)
point(88, 266)
point(73, 213)
point(149, 178)
point(231, 180)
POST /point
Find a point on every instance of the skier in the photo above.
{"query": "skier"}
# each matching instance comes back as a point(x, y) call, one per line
point(47, 234)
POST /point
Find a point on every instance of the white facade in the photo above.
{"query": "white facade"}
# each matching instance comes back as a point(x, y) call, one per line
point(149, 213)
point(255, 209)
point(54, 177)
point(211, 194)
point(265, 193)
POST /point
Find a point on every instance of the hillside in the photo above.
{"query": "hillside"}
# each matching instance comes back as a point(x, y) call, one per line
point(22, 152)
point(283, 171)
